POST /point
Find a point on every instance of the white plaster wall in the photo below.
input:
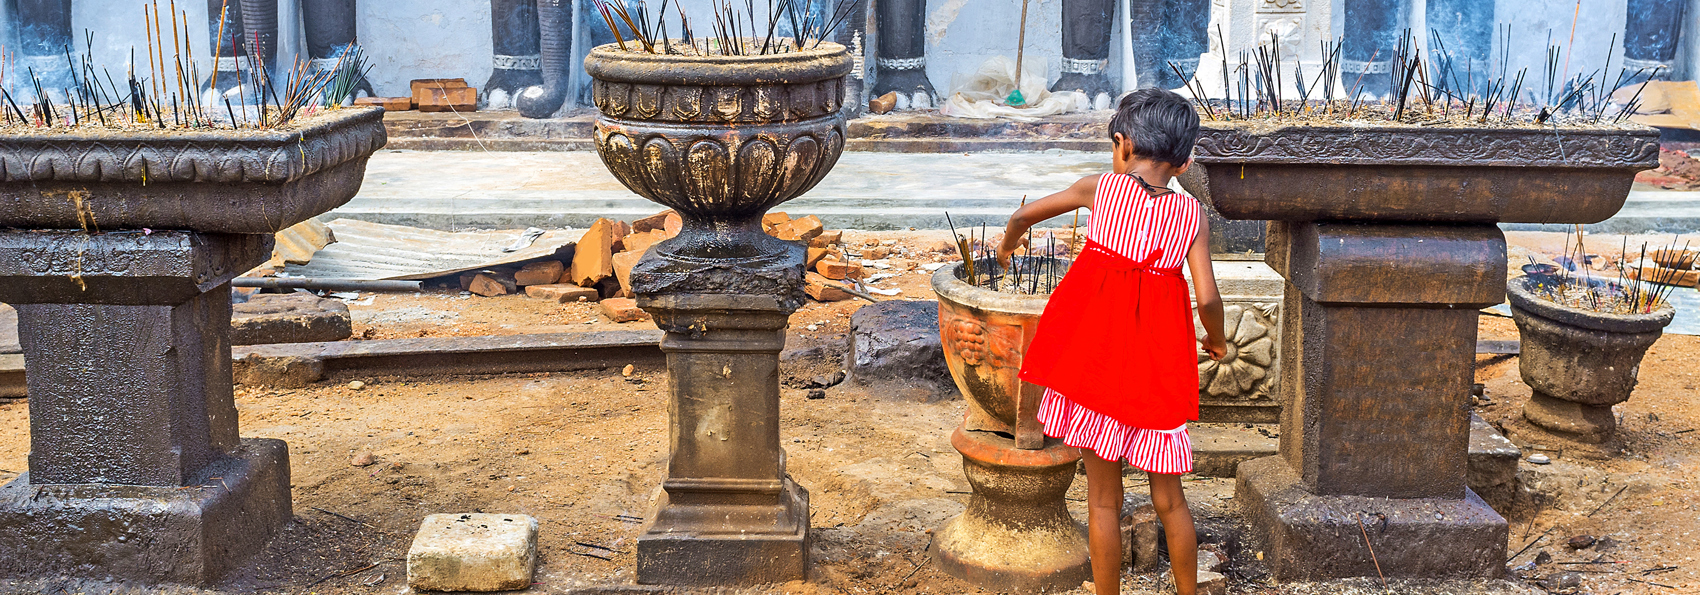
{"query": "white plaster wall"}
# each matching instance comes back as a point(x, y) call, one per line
point(415, 39)
point(451, 38)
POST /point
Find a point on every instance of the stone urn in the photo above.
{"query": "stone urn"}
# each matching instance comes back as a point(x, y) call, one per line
point(1017, 533)
point(117, 248)
point(1579, 362)
point(722, 139)
point(1387, 237)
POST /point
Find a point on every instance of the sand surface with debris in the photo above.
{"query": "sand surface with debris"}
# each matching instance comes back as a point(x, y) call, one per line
point(584, 452)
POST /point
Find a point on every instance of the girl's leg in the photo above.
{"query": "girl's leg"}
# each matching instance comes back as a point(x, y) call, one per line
point(1170, 503)
point(1104, 522)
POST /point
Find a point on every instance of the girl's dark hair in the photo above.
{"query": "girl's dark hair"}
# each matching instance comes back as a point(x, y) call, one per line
point(1161, 125)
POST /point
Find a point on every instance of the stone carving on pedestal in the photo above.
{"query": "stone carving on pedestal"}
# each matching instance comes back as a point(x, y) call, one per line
point(330, 28)
point(1248, 368)
point(1650, 37)
point(1086, 28)
point(722, 139)
point(517, 61)
point(902, 57)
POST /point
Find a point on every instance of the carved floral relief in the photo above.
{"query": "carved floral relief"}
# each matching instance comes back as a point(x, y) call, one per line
point(1248, 368)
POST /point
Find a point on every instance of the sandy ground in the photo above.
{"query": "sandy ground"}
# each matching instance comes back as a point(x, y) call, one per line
point(580, 451)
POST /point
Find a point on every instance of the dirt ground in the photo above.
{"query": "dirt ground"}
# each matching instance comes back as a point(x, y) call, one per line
point(584, 452)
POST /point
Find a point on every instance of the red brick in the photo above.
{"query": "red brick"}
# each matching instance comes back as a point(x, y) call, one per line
point(442, 95)
point(641, 242)
point(673, 224)
point(772, 220)
point(814, 255)
point(563, 293)
point(539, 273)
point(623, 263)
point(390, 104)
point(802, 229)
point(656, 221)
point(827, 238)
point(876, 253)
point(837, 269)
point(491, 285)
point(623, 310)
point(824, 289)
point(593, 256)
point(621, 230)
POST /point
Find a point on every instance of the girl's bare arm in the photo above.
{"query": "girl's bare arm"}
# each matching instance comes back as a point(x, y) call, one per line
point(1077, 196)
point(1204, 289)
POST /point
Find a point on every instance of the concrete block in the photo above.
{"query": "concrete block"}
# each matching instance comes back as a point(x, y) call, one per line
point(473, 552)
point(540, 273)
point(563, 293)
point(289, 318)
point(291, 371)
point(896, 345)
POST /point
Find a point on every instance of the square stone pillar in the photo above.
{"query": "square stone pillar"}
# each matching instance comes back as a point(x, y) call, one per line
point(1377, 358)
point(136, 470)
point(728, 514)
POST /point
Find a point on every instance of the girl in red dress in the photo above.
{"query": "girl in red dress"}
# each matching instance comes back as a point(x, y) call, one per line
point(1115, 347)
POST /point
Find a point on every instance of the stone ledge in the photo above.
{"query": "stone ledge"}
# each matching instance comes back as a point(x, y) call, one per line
point(191, 535)
point(1417, 538)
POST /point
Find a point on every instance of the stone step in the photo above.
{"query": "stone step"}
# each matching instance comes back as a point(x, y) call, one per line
point(911, 132)
point(1218, 449)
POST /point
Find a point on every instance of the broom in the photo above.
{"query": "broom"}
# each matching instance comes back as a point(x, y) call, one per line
point(1015, 98)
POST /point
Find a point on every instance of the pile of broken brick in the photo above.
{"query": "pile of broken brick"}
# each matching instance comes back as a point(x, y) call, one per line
point(600, 266)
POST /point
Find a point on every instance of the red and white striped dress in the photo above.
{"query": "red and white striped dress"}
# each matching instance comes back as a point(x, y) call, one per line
point(1117, 333)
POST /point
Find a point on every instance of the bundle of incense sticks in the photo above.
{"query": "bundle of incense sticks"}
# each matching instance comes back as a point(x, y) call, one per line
point(1255, 88)
point(165, 92)
point(734, 30)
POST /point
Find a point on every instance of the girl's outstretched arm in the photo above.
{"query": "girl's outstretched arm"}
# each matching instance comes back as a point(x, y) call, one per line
point(1077, 196)
point(1204, 289)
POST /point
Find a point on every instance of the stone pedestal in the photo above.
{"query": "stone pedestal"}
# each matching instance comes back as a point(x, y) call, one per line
point(1017, 534)
point(1378, 358)
point(136, 470)
point(728, 514)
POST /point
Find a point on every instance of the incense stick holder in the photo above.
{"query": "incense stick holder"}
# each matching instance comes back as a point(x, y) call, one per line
point(720, 140)
point(118, 251)
point(1386, 237)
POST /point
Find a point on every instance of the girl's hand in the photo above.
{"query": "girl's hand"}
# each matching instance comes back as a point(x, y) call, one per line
point(1004, 254)
point(1216, 347)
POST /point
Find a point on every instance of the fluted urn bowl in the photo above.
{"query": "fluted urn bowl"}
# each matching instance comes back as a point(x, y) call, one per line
point(209, 181)
point(1409, 172)
point(720, 139)
point(985, 334)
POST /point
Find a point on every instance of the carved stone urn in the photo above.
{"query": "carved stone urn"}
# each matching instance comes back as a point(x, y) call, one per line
point(117, 248)
point(1579, 362)
point(722, 139)
point(1386, 236)
point(1017, 533)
